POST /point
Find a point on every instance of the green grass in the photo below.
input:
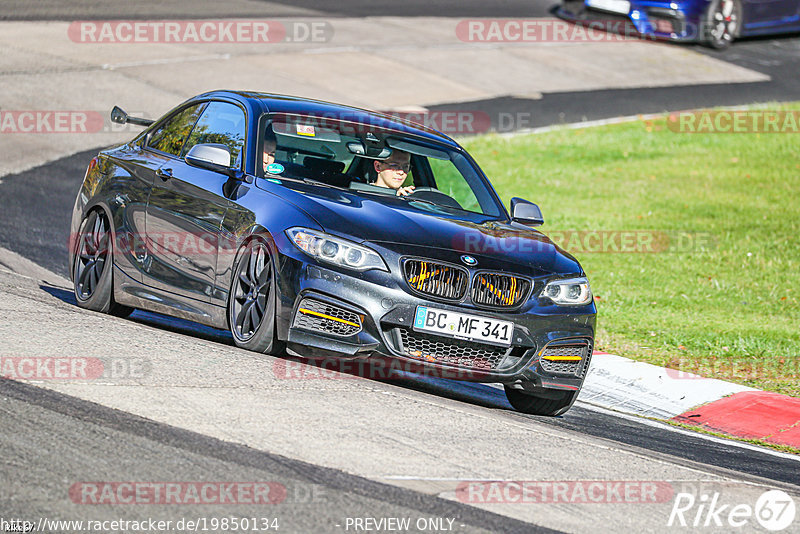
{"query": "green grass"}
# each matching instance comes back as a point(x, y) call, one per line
point(728, 309)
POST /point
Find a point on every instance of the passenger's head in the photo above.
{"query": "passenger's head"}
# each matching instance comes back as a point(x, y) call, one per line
point(393, 171)
point(269, 146)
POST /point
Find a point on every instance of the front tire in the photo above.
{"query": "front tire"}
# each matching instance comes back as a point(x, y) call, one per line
point(556, 403)
point(251, 304)
point(722, 23)
point(93, 270)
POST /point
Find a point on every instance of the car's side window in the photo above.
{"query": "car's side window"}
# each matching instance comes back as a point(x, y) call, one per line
point(171, 135)
point(222, 123)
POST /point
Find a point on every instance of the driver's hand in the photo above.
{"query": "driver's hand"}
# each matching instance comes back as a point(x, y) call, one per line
point(405, 191)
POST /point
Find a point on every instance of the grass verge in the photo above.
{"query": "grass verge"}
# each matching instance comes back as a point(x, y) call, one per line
point(718, 291)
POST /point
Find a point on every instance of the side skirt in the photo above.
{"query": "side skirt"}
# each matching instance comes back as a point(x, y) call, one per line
point(131, 293)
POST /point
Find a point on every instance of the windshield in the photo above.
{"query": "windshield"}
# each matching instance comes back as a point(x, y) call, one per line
point(368, 160)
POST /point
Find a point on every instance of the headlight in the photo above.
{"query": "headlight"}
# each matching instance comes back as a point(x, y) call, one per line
point(336, 250)
point(571, 292)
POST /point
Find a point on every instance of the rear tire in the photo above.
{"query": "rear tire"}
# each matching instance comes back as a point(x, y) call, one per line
point(536, 405)
point(251, 304)
point(93, 270)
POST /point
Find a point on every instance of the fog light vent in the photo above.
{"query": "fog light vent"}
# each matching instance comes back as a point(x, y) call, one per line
point(318, 316)
point(568, 359)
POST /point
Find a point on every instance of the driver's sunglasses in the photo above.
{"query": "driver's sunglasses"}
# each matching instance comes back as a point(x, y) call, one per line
point(397, 167)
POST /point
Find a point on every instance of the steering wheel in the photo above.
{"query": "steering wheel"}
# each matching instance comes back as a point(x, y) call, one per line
point(431, 194)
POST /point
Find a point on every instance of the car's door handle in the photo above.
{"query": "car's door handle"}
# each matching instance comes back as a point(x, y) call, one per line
point(164, 174)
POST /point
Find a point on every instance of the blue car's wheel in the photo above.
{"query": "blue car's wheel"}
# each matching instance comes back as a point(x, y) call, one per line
point(251, 306)
point(722, 23)
point(92, 272)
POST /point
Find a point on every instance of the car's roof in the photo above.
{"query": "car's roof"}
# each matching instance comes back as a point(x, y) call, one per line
point(275, 103)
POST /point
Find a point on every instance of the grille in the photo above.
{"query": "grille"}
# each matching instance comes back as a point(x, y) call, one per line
point(453, 352)
point(500, 290)
point(666, 20)
point(319, 316)
point(436, 279)
point(576, 367)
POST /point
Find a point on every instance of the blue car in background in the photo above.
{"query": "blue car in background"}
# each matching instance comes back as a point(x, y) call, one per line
point(715, 23)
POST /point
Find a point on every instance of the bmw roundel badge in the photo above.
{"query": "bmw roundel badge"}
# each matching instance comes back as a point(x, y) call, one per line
point(469, 260)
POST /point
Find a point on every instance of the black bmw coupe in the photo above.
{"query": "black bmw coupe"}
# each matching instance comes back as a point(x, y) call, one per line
point(327, 231)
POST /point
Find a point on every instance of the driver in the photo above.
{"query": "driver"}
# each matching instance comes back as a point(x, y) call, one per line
point(393, 171)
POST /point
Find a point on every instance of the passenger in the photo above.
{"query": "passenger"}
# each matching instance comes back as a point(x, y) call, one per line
point(393, 171)
point(269, 147)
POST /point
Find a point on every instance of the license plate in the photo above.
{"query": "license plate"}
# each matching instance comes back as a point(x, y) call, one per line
point(614, 6)
point(463, 326)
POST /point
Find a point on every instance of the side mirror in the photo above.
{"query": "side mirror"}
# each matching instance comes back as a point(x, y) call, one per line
point(211, 157)
point(216, 158)
point(526, 212)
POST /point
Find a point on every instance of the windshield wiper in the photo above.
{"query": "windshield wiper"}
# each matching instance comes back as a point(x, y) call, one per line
point(445, 207)
point(315, 182)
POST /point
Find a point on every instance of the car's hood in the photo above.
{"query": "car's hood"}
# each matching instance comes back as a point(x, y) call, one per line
point(393, 223)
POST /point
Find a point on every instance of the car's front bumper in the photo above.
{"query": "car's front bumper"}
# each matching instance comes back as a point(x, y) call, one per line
point(656, 20)
point(385, 310)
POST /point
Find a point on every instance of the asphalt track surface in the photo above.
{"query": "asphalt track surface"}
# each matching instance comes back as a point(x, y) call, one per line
point(125, 9)
point(37, 204)
point(778, 57)
point(65, 438)
point(59, 436)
